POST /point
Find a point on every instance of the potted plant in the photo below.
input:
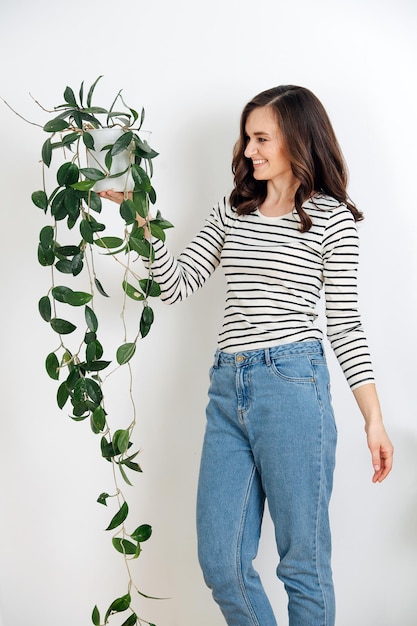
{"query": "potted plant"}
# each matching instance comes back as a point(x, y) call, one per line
point(87, 147)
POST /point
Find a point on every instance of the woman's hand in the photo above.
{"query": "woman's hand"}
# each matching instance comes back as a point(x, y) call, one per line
point(381, 450)
point(379, 443)
point(114, 196)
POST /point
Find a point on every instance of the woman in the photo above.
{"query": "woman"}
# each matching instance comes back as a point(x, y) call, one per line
point(287, 231)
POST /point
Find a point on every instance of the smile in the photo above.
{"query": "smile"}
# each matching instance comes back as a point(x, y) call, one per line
point(259, 162)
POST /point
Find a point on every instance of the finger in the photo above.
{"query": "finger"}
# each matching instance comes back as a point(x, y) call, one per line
point(376, 459)
point(384, 467)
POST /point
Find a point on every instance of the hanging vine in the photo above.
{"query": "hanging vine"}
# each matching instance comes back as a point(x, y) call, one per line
point(68, 246)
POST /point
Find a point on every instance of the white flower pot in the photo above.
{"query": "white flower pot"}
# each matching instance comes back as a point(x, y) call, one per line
point(95, 158)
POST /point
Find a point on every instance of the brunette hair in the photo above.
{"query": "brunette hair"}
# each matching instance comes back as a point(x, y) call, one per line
point(316, 158)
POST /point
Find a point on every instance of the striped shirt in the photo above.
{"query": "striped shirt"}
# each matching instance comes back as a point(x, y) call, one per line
point(274, 276)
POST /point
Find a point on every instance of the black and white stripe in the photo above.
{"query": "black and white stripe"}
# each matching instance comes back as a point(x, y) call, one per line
point(274, 276)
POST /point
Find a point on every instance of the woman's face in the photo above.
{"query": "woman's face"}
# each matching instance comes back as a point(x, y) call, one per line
point(265, 146)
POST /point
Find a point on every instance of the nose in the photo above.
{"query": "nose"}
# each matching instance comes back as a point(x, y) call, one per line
point(250, 149)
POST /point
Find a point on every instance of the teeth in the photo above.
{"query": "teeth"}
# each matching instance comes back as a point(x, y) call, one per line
point(259, 161)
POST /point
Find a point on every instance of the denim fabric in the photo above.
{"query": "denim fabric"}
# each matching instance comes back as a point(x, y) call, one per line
point(270, 433)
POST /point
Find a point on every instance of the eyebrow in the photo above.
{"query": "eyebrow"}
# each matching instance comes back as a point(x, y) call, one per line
point(259, 132)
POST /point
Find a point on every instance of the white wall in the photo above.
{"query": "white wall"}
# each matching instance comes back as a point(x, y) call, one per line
point(193, 66)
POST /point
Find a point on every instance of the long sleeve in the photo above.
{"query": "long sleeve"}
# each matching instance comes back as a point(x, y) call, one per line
point(179, 278)
point(344, 327)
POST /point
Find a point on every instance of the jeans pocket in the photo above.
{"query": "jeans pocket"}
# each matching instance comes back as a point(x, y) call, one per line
point(293, 368)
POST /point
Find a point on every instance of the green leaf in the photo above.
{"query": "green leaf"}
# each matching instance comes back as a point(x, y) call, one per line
point(72, 202)
point(100, 288)
point(55, 125)
point(70, 97)
point(46, 256)
point(95, 366)
point(68, 139)
point(157, 231)
point(162, 223)
point(61, 326)
point(67, 250)
point(152, 195)
point(141, 178)
point(81, 93)
point(79, 391)
point(67, 174)
point(119, 605)
point(94, 201)
point(91, 91)
point(93, 390)
point(150, 287)
point(127, 211)
point(40, 199)
point(131, 465)
point(125, 353)
point(124, 475)
point(119, 518)
point(46, 236)
point(142, 533)
point(92, 173)
point(68, 296)
point(109, 242)
point(132, 292)
point(108, 160)
point(77, 264)
point(95, 617)
point(90, 337)
point(140, 203)
point(96, 226)
point(64, 266)
point(88, 141)
point(84, 185)
point(86, 231)
point(62, 395)
point(91, 319)
point(124, 546)
point(47, 152)
point(44, 306)
point(107, 450)
point(146, 320)
point(52, 366)
point(131, 620)
point(58, 205)
point(99, 419)
point(95, 110)
point(78, 298)
point(122, 143)
point(74, 374)
point(80, 418)
point(91, 350)
point(121, 440)
point(61, 292)
point(141, 246)
point(143, 149)
point(102, 499)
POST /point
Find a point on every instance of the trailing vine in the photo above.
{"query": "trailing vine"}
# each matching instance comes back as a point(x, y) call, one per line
point(68, 245)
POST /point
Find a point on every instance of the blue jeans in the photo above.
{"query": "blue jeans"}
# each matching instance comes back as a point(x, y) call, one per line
point(270, 434)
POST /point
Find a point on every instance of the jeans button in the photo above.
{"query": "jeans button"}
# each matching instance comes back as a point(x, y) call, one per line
point(240, 358)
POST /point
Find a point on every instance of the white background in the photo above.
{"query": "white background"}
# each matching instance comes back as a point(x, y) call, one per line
point(193, 66)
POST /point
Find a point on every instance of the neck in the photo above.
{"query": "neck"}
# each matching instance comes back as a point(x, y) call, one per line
point(279, 198)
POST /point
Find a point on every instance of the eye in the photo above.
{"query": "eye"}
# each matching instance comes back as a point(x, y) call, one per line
point(262, 139)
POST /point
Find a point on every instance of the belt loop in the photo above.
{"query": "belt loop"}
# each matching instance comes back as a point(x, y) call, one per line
point(267, 357)
point(216, 358)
